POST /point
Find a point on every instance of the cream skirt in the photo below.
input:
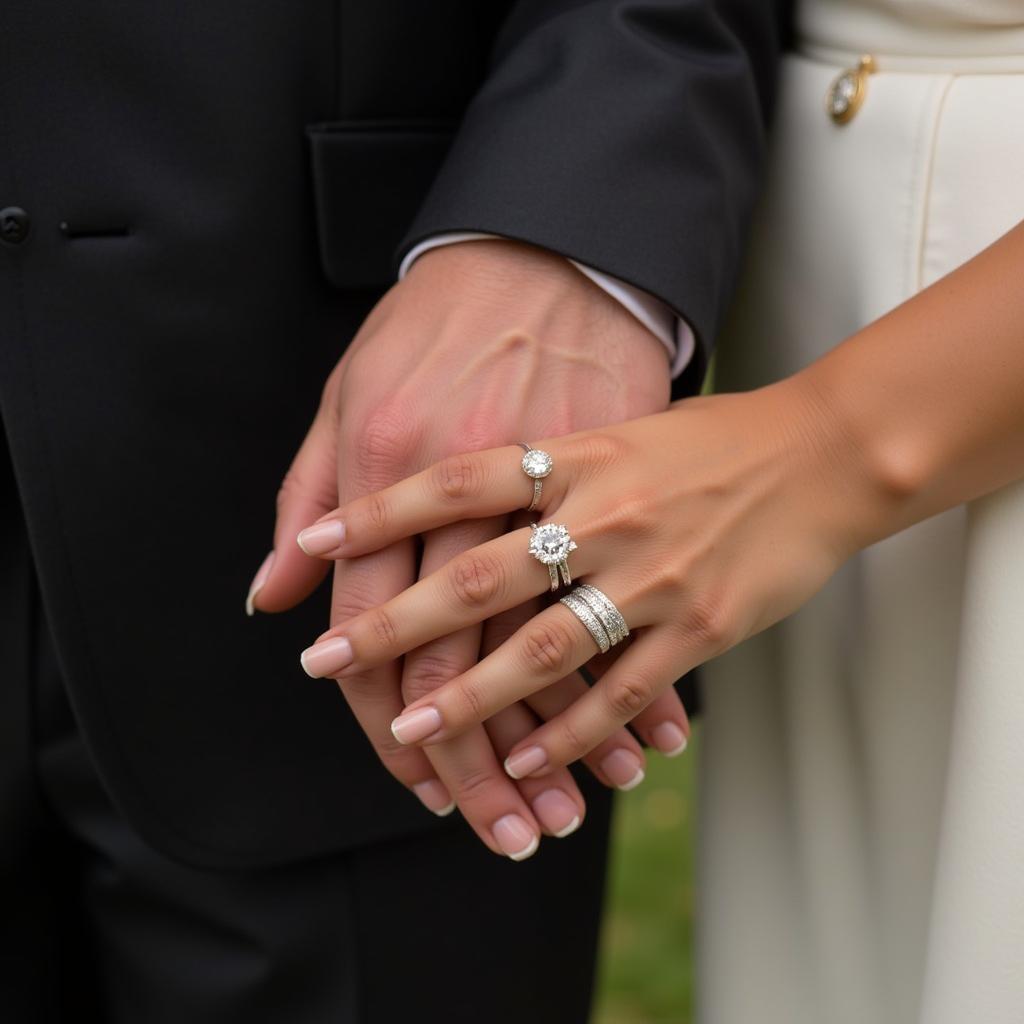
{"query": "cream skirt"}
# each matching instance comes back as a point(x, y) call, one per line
point(861, 847)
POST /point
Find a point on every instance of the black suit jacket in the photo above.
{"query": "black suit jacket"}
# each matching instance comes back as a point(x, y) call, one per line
point(214, 194)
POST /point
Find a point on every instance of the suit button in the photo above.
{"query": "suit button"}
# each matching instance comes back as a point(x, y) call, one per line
point(14, 225)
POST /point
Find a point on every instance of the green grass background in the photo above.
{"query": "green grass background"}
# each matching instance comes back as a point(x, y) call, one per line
point(646, 968)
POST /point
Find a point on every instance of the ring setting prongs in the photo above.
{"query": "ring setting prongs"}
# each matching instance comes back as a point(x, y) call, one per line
point(551, 544)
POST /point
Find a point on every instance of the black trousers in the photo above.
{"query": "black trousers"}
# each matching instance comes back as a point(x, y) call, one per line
point(96, 925)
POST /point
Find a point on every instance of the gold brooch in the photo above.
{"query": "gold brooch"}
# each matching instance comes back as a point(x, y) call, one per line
point(847, 91)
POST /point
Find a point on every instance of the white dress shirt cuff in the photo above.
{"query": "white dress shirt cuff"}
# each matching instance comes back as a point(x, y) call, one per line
point(673, 331)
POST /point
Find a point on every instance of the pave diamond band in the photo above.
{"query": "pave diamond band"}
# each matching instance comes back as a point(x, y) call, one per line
point(598, 613)
point(604, 608)
point(550, 544)
point(586, 615)
point(536, 465)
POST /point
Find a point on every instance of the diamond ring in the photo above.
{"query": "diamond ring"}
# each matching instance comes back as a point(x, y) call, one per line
point(551, 544)
point(536, 465)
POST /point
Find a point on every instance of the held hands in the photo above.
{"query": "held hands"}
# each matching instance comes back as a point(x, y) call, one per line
point(483, 343)
point(703, 524)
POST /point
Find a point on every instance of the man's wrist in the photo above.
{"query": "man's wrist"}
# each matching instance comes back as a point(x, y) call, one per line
point(672, 331)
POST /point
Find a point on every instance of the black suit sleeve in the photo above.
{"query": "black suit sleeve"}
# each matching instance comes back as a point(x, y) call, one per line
point(626, 134)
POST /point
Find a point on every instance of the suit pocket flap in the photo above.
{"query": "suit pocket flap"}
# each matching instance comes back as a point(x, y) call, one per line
point(369, 180)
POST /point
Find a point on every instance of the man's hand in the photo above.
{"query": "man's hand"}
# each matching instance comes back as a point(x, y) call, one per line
point(482, 344)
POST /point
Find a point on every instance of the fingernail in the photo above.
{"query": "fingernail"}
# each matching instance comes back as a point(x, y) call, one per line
point(413, 726)
point(669, 739)
point(435, 797)
point(516, 839)
point(321, 537)
point(525, 762)
point(624, 769)
point(557, 812)
point(257, 583)
point(326, 657)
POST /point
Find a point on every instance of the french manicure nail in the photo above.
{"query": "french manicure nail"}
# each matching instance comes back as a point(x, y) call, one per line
point(435, 797)
point(624, 769)
point(321, 537)
point(516, 839)
point(669, 739)
point(413, 726)
point(257, 583)
point(326, 657)
point(557, 812)
point(525, 762)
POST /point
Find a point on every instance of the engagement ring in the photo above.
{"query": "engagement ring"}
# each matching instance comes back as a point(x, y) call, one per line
point(536, 465)
point(551, 545)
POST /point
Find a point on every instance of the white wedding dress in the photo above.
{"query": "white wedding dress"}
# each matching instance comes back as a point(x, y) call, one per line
point(861, 842)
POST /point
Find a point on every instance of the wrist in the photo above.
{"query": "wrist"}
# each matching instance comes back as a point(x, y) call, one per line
point(502, 296)
point(879, 471)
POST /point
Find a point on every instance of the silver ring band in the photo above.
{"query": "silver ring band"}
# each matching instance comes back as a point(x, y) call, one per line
point(586, 615)
point(536, 465)
point(604, 608)
point(598, 613)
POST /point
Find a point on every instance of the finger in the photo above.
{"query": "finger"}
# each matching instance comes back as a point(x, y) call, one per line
point(374, 694)
point(557, 801)
point(308, 489)
point(362, 583)
point(645, 670)
point(473, 485)
point(664, 724)
point(468, 766)
point(617, 761)
point(547, 648)
point(472, 587)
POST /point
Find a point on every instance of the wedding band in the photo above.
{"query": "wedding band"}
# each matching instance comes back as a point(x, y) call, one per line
point(536, 465)
point(598, 613)
point(604, 608)
point(550, 544)
point(585, 614)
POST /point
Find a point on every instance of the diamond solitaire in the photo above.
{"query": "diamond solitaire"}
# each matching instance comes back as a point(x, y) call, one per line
point(551, 544)
point(537, 464)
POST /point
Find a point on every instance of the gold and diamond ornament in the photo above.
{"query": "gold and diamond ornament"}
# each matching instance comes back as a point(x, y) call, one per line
point(848, 89)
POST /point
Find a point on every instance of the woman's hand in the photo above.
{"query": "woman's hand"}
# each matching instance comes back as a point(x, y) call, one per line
point(704, 524)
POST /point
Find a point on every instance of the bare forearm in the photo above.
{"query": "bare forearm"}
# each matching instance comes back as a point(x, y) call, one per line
point(928, 401)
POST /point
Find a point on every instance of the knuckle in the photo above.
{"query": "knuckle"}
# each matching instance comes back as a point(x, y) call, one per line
point(393, 753)
point(427, 673)
point(634, 517)
point(597, 451)
point(382, 628)
point(376, 510)
point(458, 478)
point(387, 442)
point(473, 700)
point(708, 624)
point(477, 580)
point(628, 696)
point(363, 689)
point(571, 743)
point(547, 649)
point(475, 784)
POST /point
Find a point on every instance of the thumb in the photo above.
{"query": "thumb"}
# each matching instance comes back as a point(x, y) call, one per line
point(308, 490)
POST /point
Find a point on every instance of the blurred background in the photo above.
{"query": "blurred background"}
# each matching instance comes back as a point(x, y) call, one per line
point(646, 972)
